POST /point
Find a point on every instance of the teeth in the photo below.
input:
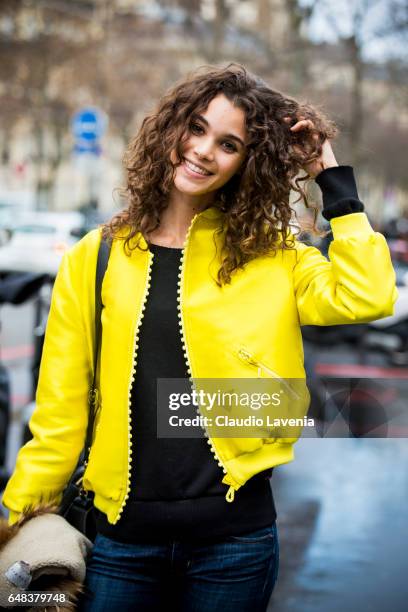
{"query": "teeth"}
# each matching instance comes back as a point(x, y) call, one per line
point(195, 168)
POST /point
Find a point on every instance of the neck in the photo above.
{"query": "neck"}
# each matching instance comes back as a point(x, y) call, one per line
point(176, 218)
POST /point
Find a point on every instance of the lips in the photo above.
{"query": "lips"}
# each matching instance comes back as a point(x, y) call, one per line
point(195, 169)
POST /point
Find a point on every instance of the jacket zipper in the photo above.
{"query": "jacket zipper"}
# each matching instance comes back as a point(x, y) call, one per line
point(246, 356)
point(132, 378)
point(233, 485)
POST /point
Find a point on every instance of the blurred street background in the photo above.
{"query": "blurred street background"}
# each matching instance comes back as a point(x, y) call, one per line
point(76, 79)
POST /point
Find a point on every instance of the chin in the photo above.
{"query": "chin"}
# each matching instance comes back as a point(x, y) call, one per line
point(185, 187)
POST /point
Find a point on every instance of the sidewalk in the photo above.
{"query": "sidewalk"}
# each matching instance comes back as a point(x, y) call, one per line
point(342, 507)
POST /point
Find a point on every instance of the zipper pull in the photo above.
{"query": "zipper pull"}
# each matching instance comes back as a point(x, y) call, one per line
point(230, 494)
point(228, 480)
point(245, 356)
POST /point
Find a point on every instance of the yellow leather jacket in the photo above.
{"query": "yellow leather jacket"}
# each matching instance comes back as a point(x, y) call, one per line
point(234, 331)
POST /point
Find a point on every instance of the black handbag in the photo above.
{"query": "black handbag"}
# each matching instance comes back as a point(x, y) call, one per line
point(77, 504)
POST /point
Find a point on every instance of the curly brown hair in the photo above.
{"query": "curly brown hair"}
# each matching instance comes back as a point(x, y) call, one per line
point(255, 201)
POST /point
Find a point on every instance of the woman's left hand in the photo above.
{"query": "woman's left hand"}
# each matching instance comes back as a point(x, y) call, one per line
point(327, 158)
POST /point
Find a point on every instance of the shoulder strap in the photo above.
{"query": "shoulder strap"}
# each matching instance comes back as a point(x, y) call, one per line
point(101, 265)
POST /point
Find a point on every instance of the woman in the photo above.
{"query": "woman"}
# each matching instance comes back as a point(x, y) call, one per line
point(205, 280)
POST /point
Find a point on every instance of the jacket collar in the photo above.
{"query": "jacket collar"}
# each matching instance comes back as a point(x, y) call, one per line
point(212, 212)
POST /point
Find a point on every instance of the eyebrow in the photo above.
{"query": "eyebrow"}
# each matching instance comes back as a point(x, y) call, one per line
point(231, 136)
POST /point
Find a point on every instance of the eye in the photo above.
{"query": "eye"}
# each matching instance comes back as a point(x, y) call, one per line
point(196, 128)
point(229, 146)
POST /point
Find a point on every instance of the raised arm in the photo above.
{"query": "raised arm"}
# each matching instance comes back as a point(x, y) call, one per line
point(357, 285)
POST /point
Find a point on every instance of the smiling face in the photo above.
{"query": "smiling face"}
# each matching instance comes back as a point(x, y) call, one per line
point(214, 149)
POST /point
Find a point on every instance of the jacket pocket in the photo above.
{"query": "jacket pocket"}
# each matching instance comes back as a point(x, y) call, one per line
point(263, 370)
point(293, 403)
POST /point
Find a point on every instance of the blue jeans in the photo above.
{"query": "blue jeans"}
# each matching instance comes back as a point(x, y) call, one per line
point(233, 574)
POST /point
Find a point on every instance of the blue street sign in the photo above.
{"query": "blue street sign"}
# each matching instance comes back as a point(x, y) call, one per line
point(88, 125)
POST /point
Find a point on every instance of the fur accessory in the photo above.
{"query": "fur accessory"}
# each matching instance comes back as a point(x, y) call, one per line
point(42, 552)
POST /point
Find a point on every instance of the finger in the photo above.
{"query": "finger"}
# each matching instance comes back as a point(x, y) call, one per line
point(304, 123)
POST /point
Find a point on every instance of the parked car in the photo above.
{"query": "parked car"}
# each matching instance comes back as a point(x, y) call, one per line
point(38, 241)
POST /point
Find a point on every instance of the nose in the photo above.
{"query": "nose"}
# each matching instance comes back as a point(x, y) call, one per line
point(204, 149)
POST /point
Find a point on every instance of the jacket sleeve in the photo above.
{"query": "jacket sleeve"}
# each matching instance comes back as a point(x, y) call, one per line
point(58, 423)
point(356, 285)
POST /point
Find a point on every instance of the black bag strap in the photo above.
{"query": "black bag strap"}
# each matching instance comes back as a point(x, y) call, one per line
point(101, 265)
